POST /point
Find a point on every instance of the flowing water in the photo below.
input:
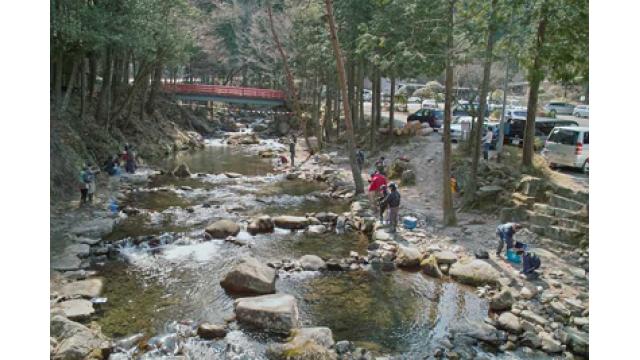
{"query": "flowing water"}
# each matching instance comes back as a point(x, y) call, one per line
point(154, 284)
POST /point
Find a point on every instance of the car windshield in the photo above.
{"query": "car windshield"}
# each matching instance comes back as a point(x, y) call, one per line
point(520, 113)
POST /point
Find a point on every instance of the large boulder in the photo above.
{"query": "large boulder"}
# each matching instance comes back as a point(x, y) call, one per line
point(75, 341)
point(327, 217)
point(577, 341)
point(223, 228)
point(243, 139)
point(502, 300)
point(475, 273)
point(76, 309)
point(211, 331)
point(96, 228)
point(407, 257)
point(181, 171)
point(85, 288)
point(291, 222)
point(276, 313)
point(312, 263)
point(250, 276)
point(260, 224)
point(305, 344)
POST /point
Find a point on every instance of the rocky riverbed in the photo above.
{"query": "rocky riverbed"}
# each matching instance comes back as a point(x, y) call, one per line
point(231, 257)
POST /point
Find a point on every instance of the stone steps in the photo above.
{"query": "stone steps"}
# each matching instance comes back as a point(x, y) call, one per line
point(563, 234)
point(523, 200)
point(557, 212)
point(565, 203)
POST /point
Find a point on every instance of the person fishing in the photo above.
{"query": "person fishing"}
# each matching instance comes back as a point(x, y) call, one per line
point(376, 181)
point(87, 184)
point(292, 150)
point(392, 201)
point(505, 234)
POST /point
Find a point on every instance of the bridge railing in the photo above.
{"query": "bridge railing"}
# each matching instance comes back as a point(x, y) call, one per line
point(221, 90)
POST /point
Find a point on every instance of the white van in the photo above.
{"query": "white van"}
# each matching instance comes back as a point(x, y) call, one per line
point(568, 146)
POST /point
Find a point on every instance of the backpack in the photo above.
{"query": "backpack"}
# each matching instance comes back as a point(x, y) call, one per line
point(87, 177)
point(530, 262)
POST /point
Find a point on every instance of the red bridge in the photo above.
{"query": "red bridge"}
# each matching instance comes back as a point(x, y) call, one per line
point(228, 94)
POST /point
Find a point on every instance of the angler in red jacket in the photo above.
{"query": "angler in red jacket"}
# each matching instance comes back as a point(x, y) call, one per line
point(375, 187)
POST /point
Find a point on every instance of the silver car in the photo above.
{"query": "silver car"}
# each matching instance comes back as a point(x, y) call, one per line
point(561, 108)
point(568, 146)
point(581, 111)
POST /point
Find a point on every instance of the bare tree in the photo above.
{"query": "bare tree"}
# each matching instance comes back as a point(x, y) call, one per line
point(357, 177)
point(449, 216)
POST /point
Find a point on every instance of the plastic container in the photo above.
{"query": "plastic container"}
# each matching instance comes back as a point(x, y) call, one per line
point(113, 206)
point(410, 222)
point(513, 257)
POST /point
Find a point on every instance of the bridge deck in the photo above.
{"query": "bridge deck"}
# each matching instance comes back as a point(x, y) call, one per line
point(226, 93)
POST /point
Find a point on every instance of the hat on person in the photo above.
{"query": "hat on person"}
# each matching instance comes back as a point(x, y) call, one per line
point(392, 185)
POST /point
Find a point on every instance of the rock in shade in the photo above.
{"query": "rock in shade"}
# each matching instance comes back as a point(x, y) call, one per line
point(181, 171)
point(408, 257)
point(533, 317)
point(577, 341)
point(291, 222)
point(508, 321)
point(312, 263)
point(76, 309)
point(475, 273)
point(305, 344)
point(223, 228)
point(276, 313)
point(502, 300)
point(67, 262)
point(528, 293)
point(250, 276)
point(260, 224)
point(430, 267)
point(85, 288)
point(327, 217)
point(232, 175)
point(211, 331)
point(382, 235)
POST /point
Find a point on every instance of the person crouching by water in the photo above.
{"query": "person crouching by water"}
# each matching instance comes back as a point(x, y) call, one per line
point(505, 233)
point(129, 159)
point(383, 207)
point(392, 200)
point(375, 183)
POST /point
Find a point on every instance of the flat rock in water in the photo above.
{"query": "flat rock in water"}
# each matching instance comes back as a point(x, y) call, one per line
point(251, 277)
point(211, 331)
point(223, 228)
point(79, 250)
point(74, 309)
point(475, 273)
point(260, 224)
point(446, 257)
point(232, 175)
point(317, 229)
point(88, 241)
point(291, 222)
point(274, 313)
point(181, 171)
point(312, 263)
point(327, 217)
point(96, 228)
point(305, 344)
point(85, 288)
point(67, 262)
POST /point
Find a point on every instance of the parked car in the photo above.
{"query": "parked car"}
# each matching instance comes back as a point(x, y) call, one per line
point(429, 104)
point(465, 109)
point(367, 95)
point(424, 115)
point(511, 114)
point(568, 146)
point(561, 108)
point(463, 124)
point(543, 127)
point(581, 111)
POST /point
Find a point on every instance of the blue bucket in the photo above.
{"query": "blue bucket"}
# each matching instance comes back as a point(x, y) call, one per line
point(409, 222)
point(513, 257)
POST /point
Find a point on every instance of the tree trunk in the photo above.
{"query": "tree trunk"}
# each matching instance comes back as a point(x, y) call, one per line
point(315, 114)
point(355, 99)
point(102, 110)
point(449, 216)
point(372, 128)
point(291, 85)
point(361, 94)
point(155, 89)
point(378, 98)
point(473, 181)
point(535, 77)
point(93, 71)
point(70, 83)
point(83, 87)
point(336, 114)
point(328, 113)
point(392, 103)
point(57, 86)
point(355, 171)
point(350, 84)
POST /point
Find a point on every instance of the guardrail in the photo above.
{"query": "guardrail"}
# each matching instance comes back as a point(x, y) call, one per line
point(221, 90)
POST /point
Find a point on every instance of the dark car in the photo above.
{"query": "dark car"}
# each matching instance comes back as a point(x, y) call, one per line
point(431, 116)
point(542, 128)
point(467, 109)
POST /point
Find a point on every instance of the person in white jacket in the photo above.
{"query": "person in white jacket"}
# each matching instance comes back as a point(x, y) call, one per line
point(486, 143)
